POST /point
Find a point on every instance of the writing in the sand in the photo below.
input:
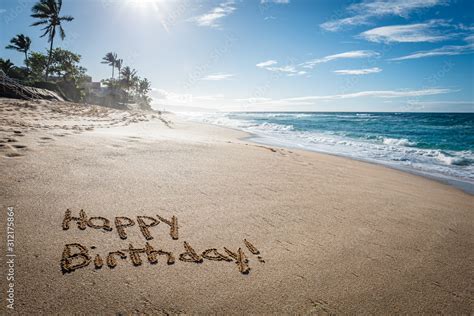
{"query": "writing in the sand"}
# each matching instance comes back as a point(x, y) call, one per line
point(76, 255)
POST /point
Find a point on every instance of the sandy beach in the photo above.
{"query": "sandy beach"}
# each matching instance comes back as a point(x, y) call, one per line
point(257, 229)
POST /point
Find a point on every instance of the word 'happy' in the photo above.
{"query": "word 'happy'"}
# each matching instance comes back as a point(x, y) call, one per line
point(121, 223)
point(76, 255)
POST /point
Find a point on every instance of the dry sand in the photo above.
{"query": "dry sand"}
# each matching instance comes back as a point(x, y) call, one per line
point(336, 235)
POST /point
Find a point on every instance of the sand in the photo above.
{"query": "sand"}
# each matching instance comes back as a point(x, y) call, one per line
point(317, 233)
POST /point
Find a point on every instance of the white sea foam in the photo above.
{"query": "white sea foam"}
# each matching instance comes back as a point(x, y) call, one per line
point(398, 142)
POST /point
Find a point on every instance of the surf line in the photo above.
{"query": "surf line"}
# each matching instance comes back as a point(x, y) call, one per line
point(76, 256)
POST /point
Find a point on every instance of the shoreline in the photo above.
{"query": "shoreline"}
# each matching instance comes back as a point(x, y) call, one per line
point(334, 235)
point(464, 186)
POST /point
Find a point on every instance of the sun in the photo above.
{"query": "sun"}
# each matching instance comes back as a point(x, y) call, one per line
point(146, 4)
point(156, 9)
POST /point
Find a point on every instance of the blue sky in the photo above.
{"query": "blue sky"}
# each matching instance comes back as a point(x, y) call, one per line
point(399, 55)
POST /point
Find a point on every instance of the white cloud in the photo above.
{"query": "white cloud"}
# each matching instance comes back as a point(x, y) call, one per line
point(267, 63)
point(377, 94)
point(218, 77)
point(162, 96)
point(336, 25)
point(252, 100)
point(212, 97)
point(310, 100)
point(448, 50)
point(185, 101)
point(358, 71)
point(213, 17)
point(351, 54)
point(329, 100)
point(362, 13)
point(300, 69)
point(469, 39)
point(275, 1)
point(168, 99)
point(412, 33)
point(289, 70)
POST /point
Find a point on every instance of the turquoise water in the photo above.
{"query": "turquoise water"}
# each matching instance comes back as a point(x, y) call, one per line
point(440, 145)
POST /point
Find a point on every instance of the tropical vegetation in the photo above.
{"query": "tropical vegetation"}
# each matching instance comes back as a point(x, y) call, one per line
point(47, 13)
point(60, 68)
point(20, 43)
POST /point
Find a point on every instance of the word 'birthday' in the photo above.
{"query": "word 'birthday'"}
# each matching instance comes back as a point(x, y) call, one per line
point(76, 255)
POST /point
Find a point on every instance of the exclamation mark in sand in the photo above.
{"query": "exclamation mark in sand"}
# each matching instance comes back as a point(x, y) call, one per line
point(253, 250)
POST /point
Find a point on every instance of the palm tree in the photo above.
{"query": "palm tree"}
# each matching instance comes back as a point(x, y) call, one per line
point(110, 59)
point(129, 78)
point(48, 13)
point(22, 44)
point(143, 86)
point(6, 65)
point(118, 65)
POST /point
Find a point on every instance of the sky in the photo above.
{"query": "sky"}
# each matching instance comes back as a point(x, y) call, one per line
point(280, 55)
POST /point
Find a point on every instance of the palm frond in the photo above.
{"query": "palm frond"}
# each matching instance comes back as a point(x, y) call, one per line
point(67, 18)
point(39, 23)
point(61, 32)
point(41, 7)
point(40, 16)
point(48, 29)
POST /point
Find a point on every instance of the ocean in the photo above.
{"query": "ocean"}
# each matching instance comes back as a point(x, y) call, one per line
point(437, 145)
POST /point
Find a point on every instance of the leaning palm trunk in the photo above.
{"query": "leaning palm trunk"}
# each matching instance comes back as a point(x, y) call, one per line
point(26, 61)
point(49, 58)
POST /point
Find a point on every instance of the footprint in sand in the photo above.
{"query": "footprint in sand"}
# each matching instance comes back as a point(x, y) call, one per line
point(13, 154)
point(133, 139)
point(12, 151)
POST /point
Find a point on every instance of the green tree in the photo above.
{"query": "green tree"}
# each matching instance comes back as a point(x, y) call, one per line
point(65, 64)
point(37, 63)
point(47, 11)
point(22, 44)
point(6, 66)
point(11, 70)
point(129, 77)
point(143, 86)
point(111, 60)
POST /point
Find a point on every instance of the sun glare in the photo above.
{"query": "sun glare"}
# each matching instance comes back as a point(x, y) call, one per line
point(146, 4)
point(157, 9)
